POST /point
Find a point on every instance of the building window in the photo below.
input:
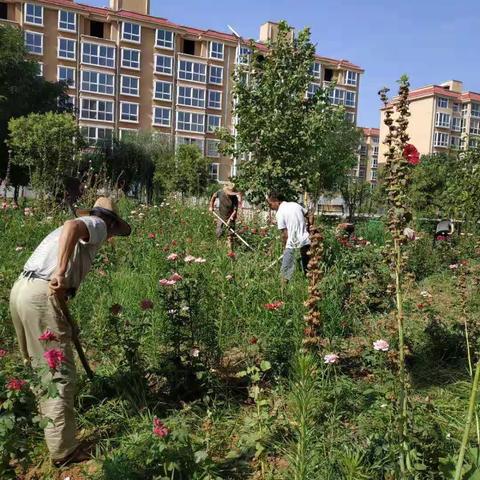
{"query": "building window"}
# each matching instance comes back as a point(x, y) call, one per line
point(192, 97)
point(374, 162)
point(316, 70)
point(40, 69)
point(374, 139)
point(351, 78)
point(373, 175)
point(442, 102)
point(131, 32)
point(313, 88)
point(67, 75)
point(131, 58)
point(127, 133)
point(163, 90)
point(193, 71)
point(375, 151)
point(350, 99)
point(163, 64)
point(456, 124)
point(244, 54)
point(456, 107)
point(97, 82)
point(350, 117)
point(129, 112)
point(97, 29)
point(337, 96)
point(33, 14)
point(93, 135)
point(213, 170)
point(212, 148)
point(188, 46)
point(440, 139)
point(474, 127)
point(216, 50)
point(475, 110)
point(162, 116)
point(3, 11)
point(190, 141)
point(442, 120)
point(130, 85)
point(216, 75)
point(34, 42)
point(213, 122)
point(67, 21)
point(165, 39)
point(190, 122)
point(96, 110)
point(455, 142)
point(67, 48)
point(95, 54)
point(215, 99)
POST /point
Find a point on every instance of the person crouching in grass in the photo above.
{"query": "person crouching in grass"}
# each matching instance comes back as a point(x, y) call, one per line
point(293, 223)
point(51, 275)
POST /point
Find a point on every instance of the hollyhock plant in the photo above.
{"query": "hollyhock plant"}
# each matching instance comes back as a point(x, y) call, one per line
point(274, 305)
point(3, 353)
point(159, 428)
point(381, 345)
point(331, 358)
point(172, 257)
point(15, 384)
point(54, 358)
point(411, 154)
point(146, 304)
point(48, 336)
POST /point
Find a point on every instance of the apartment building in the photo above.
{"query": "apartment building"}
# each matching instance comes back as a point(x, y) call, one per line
point(443, 118)
point(367, 166)
point(129, 71)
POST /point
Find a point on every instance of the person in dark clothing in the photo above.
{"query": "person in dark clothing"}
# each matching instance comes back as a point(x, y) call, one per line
point(444, 230)
point(228, 202)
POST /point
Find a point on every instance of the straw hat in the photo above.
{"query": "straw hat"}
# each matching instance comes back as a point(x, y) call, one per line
point(229, 188)
point(107, 207)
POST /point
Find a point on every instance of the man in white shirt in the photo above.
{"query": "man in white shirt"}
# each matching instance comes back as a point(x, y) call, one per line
point(292, 222)
point(52, 273)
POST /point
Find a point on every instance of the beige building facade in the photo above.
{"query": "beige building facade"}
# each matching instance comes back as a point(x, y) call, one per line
point(129, 71)
point(443, 118)
point(367, 166)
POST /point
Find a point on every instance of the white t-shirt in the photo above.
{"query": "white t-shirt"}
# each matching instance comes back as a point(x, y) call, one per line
point(43, 260)
point(291, 215)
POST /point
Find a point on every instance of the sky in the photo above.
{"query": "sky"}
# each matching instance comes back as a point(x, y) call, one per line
point(430, 40)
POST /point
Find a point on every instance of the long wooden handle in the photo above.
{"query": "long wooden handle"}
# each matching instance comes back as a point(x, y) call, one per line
point(233, 231)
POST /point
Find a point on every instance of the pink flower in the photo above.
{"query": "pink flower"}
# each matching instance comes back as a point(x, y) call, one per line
point(189, 259)
point(167, 283)
point(229, 277)
point(28, 212)
point(4, 206)
point(48, 336)
point(453, 266)
point(231, 255)
point(54, 358)
point(331, 358)
point(172, 257)
point(176, 277)
point(195, 352)
point(381, 345)
point(274, 305)
point(3, 353)
point(159, 428)
point(200, 260)
point(151, 235)
point(146, 304)
point(15, 384)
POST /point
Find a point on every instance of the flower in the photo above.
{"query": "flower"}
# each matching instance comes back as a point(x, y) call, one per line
point(151, 235)
point(176, 277)
point(15, 384)
point(54, 358)
point(231, 255)
point(331, 358)
point(159, 428)
point(229, 277)
point(411, 154)
point(409, 233)
point(200, 260)
point(195, 352)
point(116, 309)
point(253, 341)
point(146, 304)
point(425, 294)
point(28, 212)
point(381, 345)
point(167, 283)
point(189, 259)
point(172, 257)
point(4, 206)
point(420, 306)
point(274, 305)
point(3, 353)
point(453, 266)
point(48, 336)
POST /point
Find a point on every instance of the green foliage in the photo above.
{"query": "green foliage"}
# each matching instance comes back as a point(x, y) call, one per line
point(356, 193)
point(49, 161)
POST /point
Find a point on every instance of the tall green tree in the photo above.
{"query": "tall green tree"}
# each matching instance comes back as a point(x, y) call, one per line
point(47, 145)
point(285, 140)
point(22, 91)
point(190, 171)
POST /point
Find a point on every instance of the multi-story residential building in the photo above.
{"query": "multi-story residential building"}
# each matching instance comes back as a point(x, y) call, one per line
point(130, 71)
point(442, 118)
point(367, 166)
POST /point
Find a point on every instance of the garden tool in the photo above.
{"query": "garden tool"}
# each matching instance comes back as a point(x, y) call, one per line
point(61, 304)
point(233, 231)
point(274, 262)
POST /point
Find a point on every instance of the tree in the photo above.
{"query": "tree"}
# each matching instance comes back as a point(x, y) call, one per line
point(190, 171)
point(22, 91)
point(355, 192)
point(291, 142)
point(48, 145)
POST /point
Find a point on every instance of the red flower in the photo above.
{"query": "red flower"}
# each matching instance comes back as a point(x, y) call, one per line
point(420, 306)
point(151, 235)
point(16, 384)
point(411, 154)
point(48, 336)
point(159, 428)
point(463, 262)
point(116, 309)
point(231, 255)
point(54, 358)
point(3, 353)
point(274, 305)
point(174, 243)
point(253, 341)
point(254, 231)
point(146, 304)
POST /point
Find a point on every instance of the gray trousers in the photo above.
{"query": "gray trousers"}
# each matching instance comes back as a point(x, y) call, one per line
point(288, 261)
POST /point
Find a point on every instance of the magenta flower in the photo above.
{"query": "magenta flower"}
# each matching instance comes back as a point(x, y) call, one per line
point(15, 384)
point(48, 336)
point(159, 428)
point(3, 353)
point(146, 304)
point(274, 305)
point(172, 257)
point(54, 358)
point(176, 277)
point(381, 345)
point(331, 358)
point(116, 309)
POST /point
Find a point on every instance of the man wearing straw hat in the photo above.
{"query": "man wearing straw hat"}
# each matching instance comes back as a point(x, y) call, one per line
point(228, 201)
point(52, 273)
